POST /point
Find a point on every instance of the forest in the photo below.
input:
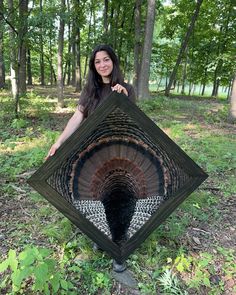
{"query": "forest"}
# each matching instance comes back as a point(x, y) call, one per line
point(180, 58)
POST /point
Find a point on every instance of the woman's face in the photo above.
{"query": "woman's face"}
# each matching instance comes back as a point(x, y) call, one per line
point(103, 65)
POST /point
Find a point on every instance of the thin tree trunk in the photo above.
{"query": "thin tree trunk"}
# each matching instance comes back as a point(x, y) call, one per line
point(73, 48)
point(13, 60)
point(143, 83)
point(2, 68)
point(29, 72)
point(232, 112)
point(184, 76)
point(52, 72)
point(60, 86)
point(183, 46)
point(105, 18)
point(68, 63)
point(41, 59)
point(78, 64)
point(23, 27)
point(138, 43)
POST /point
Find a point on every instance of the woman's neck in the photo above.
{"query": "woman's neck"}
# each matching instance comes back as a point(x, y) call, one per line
point(106, 80)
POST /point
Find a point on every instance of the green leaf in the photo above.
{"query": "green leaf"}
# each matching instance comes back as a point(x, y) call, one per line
point(64, 284)
point(16, 278)
point(27, 257)
point(206, 282)
point(55, 282)
point(12, 260)
point(41, 276)
point(45, 252)
point(4, 265)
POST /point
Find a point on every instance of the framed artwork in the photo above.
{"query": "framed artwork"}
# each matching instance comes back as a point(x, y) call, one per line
point(118, 177)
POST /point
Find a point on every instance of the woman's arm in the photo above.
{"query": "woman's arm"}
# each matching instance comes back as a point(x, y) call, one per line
point(70, 128)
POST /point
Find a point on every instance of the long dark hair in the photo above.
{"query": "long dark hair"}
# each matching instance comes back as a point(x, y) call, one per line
point(94, 80)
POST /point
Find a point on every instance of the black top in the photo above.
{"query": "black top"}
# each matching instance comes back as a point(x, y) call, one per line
point(105, 91)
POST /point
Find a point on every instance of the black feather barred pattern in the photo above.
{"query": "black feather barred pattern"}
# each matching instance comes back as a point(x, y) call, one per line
point(94, 211)
point(119, 177)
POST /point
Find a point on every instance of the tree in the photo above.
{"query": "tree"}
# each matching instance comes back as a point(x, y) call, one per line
point(41, 37)
point(183, 46)
point(138, 43)
point(232, 114)
point(2, 67)
point(60, 85)
point(143, 82)
point(14, 69)
point(22, 35)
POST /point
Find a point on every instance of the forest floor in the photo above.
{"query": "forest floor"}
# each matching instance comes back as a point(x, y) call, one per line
point(192, 252)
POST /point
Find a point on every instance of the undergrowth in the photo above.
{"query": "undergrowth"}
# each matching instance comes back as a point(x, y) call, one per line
point(171, 261)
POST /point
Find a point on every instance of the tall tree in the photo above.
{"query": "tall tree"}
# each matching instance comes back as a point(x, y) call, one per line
point(60, 86)
point(22, 33)
point(137, 42)
point(232, 113)
point(2, 67)
point(183, 46)
point(14, 71)
point(143, 82)
point(29, 71)
point(41, 44)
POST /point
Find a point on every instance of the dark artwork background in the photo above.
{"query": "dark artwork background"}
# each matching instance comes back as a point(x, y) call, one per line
point(118, 177)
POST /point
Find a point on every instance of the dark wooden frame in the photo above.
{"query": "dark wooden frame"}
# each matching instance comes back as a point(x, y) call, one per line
point(39, 180)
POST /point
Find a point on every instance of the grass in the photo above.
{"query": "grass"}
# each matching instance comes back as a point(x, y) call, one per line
point(192, 252)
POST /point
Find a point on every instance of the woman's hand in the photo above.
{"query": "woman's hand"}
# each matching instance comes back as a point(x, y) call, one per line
point(120, 89)
point(53, 150)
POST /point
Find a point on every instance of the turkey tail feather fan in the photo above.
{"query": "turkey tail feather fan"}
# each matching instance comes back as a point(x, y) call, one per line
point(118, 176)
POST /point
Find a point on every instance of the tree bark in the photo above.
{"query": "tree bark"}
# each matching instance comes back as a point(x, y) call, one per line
point(60, 86)
point(41, 59)
point(138, 43)
point(2, 67)
point(105, 18)
point(183, 46)
point(232, 111)
point(78, 64)
point(29, 72)
point(184, 75)
point(143, 82)
point(13, 59)
point(23, 28)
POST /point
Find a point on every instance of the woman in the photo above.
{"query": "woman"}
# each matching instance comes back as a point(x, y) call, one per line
point(104, 77)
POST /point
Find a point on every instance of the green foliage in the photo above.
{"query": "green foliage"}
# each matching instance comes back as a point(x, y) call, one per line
point(170, 284)
point(166, 262)
point(34, 269)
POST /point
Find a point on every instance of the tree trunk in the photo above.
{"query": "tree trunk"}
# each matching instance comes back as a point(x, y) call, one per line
point(183, 46)
point(143, 83)
point(137, 44)
point(41, 59)
point(88, 42)
point(23, 28)
point(105, 18)
point(68, 61)
point(78, 64)
point(184, 76)
point(232, 112)
point(60, 85)
point(2, 68)
point(29, 72)
point(52, 72)
point(13, 59)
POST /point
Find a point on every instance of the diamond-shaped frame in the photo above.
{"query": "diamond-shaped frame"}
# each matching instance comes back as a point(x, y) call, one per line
point(134, 120)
